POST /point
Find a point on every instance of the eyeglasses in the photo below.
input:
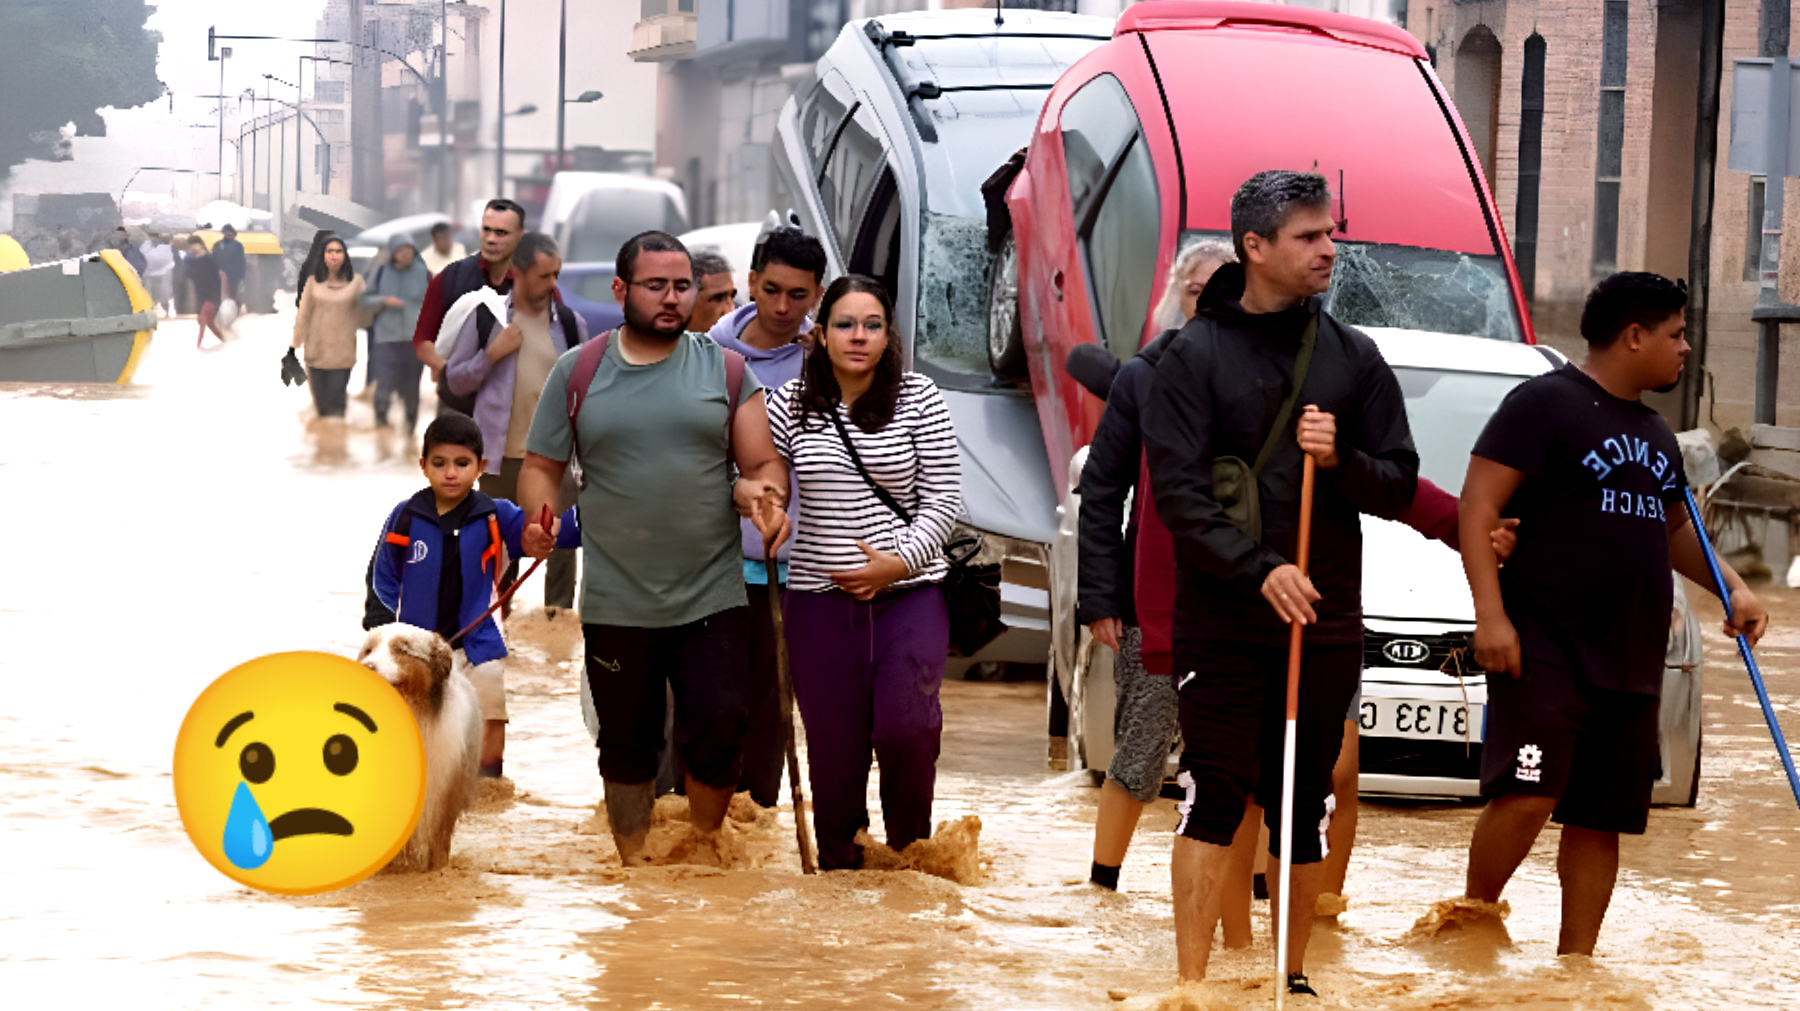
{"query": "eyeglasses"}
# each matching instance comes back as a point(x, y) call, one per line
point(658, 285)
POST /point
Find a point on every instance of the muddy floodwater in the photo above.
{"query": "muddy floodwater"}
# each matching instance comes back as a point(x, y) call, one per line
point(157, 535)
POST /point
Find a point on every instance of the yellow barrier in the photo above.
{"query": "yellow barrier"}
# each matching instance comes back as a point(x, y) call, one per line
point(140, 301)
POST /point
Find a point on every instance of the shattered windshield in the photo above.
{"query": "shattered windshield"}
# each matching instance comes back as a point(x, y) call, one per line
point(953, 294)
point(1412, 288)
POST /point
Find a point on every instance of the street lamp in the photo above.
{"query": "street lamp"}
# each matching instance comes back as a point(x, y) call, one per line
point(223, 54)
point(584, 98)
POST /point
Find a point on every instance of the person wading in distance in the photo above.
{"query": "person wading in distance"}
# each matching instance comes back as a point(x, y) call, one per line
point(502, 223)
point(1226, 387)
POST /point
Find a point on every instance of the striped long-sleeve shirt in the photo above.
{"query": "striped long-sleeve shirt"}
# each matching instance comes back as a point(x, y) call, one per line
point(914, 458)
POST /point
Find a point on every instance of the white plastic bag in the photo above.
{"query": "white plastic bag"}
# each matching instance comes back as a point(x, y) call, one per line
point(228, 314)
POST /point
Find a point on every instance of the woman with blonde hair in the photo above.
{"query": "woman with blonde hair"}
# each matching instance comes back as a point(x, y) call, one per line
point(1188, 275)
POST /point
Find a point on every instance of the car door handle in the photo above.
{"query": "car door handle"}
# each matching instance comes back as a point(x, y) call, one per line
point(1056, 285)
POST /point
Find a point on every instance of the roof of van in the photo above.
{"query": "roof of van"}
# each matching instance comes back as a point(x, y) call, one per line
point(980, 21)
point(1191, 15)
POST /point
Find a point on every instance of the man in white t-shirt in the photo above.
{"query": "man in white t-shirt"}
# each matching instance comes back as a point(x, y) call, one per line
point(443, 251)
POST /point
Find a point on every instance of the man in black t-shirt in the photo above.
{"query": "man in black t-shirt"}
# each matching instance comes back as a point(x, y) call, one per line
point(1574, 630)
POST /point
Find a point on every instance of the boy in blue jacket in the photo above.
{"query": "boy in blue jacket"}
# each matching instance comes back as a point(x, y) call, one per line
point(409, 583)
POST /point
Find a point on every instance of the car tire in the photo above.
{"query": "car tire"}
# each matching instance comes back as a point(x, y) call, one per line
point(1006, 339)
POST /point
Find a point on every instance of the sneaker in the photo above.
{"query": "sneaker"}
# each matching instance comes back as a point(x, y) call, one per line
point(1298, 985)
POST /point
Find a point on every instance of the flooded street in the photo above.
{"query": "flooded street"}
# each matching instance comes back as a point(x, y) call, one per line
point(162, 533)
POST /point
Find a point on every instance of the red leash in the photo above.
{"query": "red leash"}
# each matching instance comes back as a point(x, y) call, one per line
point(545, 520)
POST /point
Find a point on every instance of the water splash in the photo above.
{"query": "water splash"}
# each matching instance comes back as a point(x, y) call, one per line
point(248, 841)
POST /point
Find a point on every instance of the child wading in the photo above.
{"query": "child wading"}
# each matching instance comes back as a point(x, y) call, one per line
point(1573, 630)
point(410, 582)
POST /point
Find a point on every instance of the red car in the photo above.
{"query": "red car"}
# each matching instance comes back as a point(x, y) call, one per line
point(1143, 142)
point(1137, 153)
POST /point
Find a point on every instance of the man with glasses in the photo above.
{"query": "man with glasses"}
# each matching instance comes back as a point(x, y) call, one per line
point(663, 606)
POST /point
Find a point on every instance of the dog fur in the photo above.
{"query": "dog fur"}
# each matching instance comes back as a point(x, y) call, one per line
point(420, 665)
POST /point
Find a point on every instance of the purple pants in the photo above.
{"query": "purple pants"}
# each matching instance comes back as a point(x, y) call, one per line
point(866, 677)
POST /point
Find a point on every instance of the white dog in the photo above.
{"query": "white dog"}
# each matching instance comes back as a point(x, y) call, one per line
point(419, 663)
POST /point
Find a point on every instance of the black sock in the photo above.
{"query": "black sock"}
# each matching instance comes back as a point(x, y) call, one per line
point(1104, 876)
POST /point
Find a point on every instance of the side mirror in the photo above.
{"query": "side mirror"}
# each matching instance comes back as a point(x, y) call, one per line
point(1093, 367)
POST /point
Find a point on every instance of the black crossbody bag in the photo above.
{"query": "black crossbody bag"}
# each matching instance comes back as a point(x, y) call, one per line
point(971, 592)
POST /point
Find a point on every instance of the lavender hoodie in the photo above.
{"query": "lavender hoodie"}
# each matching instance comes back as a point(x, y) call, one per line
point(772, 369)
point(469, 371)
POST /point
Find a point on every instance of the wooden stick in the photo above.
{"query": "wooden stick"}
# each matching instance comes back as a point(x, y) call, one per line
point(1284, 915)
point(787, 714)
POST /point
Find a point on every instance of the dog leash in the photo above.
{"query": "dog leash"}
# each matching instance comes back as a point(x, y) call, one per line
point(545, 519)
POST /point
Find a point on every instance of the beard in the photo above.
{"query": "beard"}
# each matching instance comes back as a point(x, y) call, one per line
point(644, 323)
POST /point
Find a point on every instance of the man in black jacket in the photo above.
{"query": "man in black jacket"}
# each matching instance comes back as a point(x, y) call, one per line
point(1218, 392)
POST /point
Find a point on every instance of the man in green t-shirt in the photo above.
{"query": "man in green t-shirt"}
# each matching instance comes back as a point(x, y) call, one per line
point(662, 607)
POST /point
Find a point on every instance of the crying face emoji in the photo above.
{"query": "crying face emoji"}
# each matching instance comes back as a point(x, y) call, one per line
point(299, 773)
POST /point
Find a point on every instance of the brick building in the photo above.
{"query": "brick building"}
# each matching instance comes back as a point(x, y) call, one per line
point(1585, 116)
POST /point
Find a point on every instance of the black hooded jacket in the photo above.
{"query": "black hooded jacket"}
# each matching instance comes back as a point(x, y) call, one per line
point(1217, 390)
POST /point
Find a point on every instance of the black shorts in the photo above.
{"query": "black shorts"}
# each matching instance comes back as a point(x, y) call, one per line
point(704, 664)
point(1233, 701)
point(1552, 734)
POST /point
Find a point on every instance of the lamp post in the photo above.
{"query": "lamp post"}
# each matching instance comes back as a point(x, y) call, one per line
point(584, 98)
point(500, 120)
point(223, 53)
point(299, 97)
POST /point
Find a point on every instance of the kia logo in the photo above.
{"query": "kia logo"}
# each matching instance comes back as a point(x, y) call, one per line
point(1406, 651)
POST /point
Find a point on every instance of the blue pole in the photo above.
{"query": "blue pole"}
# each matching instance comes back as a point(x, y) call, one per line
point(1756, 680)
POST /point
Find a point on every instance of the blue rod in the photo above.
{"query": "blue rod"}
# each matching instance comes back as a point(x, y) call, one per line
point(1756, 680)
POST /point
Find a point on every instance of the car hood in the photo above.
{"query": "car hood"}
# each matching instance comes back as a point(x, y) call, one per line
point(1407, 576)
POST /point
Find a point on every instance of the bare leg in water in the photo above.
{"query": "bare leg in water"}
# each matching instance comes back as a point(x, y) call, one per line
point(1235, 894)
point(1340, 837)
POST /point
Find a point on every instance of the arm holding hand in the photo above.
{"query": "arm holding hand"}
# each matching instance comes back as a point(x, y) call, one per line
point(1487, 489)
point(760, 493)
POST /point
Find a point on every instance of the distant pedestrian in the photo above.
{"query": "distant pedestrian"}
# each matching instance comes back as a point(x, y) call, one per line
point(717, 291)
point(874, 453)
point(443, 251)
point(663, 599)
point(502, 223)
point(505, 370)
point(310, 265)
point(325, 327)
point(206, 282)
point(129, 250)
point(396, 294)
point(159, 272)
point(230, 254)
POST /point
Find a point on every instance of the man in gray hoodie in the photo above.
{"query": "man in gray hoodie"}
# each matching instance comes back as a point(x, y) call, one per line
point(396, 293)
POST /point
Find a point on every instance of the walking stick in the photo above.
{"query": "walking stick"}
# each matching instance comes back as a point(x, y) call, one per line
point(787, 715)
point(1743, 645)
point(1284, 915)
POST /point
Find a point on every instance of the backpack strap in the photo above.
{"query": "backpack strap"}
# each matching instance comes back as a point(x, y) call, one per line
point(492, 552)
point(401, 535)
point(484, 325)
point(587, 362)
point(571, 334)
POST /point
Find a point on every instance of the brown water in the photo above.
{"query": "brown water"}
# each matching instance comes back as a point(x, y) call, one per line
point(158, 535)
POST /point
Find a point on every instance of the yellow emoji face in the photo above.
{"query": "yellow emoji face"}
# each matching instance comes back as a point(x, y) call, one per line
point(299, 773)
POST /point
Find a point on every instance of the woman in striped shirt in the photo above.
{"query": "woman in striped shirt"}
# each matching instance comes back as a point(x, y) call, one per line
point(867, 631)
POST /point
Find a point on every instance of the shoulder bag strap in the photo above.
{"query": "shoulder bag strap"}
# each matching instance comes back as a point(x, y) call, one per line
point(880, 492)
point(1302, 362)
point(734, 387)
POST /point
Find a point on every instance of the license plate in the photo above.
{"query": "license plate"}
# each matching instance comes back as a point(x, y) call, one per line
point(1420, 720)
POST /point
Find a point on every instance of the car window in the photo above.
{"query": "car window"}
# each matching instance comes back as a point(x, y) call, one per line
point(876, 251)
point(1413, 288)
point(856, 164)
point(1120, 249)
point(818, 120)
point(1096, 124)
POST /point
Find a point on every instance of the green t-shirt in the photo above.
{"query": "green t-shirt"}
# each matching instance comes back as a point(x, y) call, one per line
point(659, 534)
